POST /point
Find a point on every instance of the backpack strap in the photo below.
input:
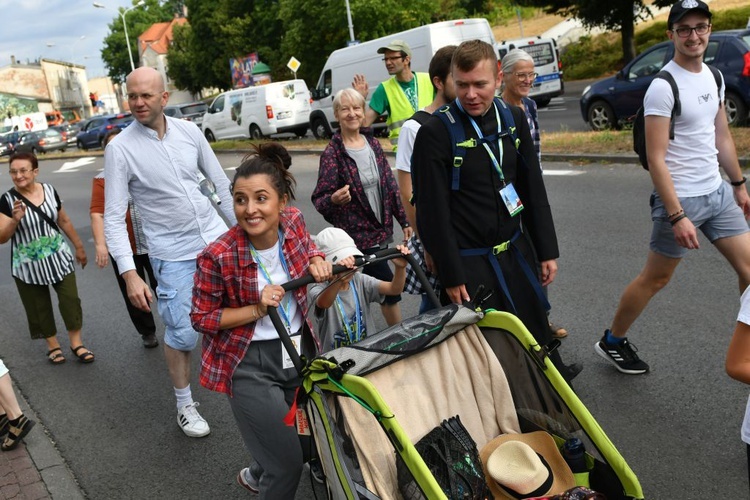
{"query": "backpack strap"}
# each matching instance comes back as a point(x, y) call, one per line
point(507, 118)
point(449, 115)
point(677, 109)
point(718, 78)
point(420, 117)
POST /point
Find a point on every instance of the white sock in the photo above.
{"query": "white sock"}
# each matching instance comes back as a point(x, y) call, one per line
point(184, 397)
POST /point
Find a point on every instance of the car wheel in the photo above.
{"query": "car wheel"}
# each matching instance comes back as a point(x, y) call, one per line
point(300, 131)
point(320, 128)
point(210, 136)
point(601, 116)
point(81, 145)
point(255, 132)
point(542, 103)
point(34, 151)
point(736, 109)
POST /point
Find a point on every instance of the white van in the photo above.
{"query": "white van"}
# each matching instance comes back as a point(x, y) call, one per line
point(549, 80)
point(363, 58)
point(257, 112)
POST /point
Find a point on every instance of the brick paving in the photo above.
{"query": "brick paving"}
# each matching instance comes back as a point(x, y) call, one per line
point(19, 477)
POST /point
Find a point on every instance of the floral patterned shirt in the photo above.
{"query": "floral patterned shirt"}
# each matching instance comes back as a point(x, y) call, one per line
point(39, 255)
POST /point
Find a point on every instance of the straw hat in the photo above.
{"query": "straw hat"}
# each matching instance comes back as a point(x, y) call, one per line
point(525, 466)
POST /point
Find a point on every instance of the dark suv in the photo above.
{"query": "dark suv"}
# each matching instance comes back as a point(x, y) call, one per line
point(611, 102)
point(93, 132)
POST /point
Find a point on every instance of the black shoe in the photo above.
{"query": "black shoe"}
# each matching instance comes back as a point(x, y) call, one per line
point(571, 371)
point(150, 341)
point(622, 355)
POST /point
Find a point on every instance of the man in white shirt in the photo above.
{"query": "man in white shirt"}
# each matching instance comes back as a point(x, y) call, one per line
point(157, 160)
point(689, 192)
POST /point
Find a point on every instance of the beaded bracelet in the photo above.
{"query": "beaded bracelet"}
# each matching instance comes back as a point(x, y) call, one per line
point(680, 211)
point(678, 218)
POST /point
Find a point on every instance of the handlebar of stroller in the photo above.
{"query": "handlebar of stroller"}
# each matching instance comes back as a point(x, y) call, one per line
point(380, 255)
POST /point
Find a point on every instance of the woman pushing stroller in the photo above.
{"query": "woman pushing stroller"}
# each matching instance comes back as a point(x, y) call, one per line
point(238, 277)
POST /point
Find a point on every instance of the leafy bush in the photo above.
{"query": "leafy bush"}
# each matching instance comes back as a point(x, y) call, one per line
point(601, 55)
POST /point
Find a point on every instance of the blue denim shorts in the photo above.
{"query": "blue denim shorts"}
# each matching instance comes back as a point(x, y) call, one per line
point(716, 214)
point(174, 295)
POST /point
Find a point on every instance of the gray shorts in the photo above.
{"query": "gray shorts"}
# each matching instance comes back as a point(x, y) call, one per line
point(716, 214)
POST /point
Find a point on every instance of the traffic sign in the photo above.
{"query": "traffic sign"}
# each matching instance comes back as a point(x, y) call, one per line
point(294, 65)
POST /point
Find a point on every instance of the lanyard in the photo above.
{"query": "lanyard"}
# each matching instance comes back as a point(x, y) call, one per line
point(357, 315)
point(495, 162)
point(283, 310)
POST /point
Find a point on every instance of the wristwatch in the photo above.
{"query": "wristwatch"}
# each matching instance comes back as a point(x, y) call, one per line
point(739, 183)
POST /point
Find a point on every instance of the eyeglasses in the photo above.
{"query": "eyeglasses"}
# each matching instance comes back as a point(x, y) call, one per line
point(526, 76)
point(23, 171)
point(685, 31)
point(392, 58)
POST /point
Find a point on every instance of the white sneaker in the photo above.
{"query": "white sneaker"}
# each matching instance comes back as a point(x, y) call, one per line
point(190, 421)
point(246, 479)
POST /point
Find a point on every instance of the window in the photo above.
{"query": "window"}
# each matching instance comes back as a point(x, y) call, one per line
point(648, 65)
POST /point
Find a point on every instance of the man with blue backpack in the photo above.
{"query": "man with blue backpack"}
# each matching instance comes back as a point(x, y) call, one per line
point(687, 139)
point(482, 208)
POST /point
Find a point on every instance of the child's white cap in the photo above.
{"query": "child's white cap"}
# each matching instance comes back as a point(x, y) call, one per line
point(336, 244)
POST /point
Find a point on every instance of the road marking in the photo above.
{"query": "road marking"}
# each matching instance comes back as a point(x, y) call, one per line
point(73, 166)
point(562, 172)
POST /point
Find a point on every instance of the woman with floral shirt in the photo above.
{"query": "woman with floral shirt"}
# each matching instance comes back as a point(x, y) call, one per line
point(32, 217)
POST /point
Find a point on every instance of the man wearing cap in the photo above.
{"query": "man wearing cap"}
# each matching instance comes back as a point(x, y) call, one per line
point(401, 96)
point(689, 192)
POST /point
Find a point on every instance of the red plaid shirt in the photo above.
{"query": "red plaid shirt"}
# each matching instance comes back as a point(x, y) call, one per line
point(227, 276)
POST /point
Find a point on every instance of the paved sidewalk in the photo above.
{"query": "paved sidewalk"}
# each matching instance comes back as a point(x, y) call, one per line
point(35, 470)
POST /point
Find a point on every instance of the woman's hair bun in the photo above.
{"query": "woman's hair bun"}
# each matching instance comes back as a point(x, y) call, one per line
point(275, 152)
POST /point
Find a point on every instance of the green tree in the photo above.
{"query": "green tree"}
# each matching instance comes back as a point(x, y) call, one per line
point(115, 50)
point(618, 15)
point(312, 42)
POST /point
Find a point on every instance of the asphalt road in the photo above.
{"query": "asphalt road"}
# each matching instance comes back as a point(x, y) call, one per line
point(677, 427)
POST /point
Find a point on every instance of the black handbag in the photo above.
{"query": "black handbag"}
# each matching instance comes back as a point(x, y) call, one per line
point(452, 457)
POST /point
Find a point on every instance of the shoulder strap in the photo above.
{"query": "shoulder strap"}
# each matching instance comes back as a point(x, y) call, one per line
point(449, 115)
point(677, 109)
point(420, 117)
point(507, 118)
point(36, 209)
point(717, 77)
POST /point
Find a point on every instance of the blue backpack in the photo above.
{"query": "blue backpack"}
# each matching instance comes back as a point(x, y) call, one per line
point(459, 142)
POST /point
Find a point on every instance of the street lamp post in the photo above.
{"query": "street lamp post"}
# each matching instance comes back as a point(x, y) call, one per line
point(349, 21)
point(73, 49)
point(125, 26)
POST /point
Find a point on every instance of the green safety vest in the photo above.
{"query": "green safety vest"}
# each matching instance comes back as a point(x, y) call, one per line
point(400, 108)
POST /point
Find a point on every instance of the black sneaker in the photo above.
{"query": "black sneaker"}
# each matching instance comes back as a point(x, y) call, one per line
point(622, 355)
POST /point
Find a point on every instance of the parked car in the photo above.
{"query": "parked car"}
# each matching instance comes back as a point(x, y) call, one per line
point(192, 111)
point(68, 131)
point(93, 131)
point(41, 141)
point(613, 101)
point(12, 137)
point(6, 148)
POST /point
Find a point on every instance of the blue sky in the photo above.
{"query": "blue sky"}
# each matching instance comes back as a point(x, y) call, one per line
point(29, 27)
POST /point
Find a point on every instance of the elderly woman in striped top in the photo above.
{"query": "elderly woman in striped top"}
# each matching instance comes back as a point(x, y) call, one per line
point(32, 216)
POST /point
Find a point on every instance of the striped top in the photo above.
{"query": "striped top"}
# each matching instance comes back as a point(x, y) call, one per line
point(39, 255)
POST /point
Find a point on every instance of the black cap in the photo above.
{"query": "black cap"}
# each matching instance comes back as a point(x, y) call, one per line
point(681, 8)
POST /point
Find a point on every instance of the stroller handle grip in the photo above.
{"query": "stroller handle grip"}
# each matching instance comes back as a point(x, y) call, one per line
point(385, 254)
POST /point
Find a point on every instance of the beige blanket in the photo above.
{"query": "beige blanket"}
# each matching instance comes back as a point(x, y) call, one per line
point(461, 376)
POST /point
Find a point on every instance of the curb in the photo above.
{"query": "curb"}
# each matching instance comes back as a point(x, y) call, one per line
point(57, 477)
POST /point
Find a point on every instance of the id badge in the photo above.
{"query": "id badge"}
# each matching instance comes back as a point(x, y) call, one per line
point(286, 360)
point(511, 199)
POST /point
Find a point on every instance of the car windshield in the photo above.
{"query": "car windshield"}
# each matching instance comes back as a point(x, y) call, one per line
point(194, 109)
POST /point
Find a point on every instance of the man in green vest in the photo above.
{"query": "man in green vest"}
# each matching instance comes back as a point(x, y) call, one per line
point(402, 95)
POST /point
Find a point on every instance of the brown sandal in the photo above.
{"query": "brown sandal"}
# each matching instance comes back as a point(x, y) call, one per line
point(17, 432)
point(57, 358)
point(85, 357)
